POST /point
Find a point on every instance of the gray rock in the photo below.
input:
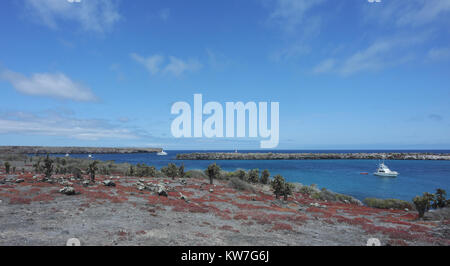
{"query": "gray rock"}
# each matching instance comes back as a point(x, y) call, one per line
point(162, 191)
point(109, 183)
point(67, 190)
point(183, 197)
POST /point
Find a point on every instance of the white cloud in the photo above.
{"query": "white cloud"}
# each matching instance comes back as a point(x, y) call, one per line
point(217, 60)
point(442, 53)
point(178, 66)
point(91, 15)
point(378, 55)
point(292, 13)
point(175, 66)
point(290, 52)
point(63, 126)
point(55, 85)
point(370, 58)
point(410, 13)
point(325, 66)
point(152, 63)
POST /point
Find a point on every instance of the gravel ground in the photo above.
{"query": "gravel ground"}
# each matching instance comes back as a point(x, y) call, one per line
point(36, 213)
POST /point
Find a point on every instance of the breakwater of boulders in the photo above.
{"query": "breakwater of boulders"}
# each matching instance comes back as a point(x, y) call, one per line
point(72, 150)
point(311, 156)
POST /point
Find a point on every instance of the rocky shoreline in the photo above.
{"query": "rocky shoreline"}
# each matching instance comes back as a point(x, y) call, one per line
point(72, 150)
point(311, 156)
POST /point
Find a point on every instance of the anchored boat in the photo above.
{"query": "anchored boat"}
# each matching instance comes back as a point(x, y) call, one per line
point(162, 152)
point(383, 170)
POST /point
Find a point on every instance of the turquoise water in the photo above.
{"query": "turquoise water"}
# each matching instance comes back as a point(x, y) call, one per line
point(342, 176)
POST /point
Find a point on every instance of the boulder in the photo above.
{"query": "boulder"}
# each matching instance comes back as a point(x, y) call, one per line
point(162, 191)
point(67, 190)
point(183, 197)
point(109, 183)
point(317, 205)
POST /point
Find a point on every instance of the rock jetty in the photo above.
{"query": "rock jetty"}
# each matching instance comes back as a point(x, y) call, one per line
point(311, 156)
point(72, 150)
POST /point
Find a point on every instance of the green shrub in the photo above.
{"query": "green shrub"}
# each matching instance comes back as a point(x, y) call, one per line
point(213, 171)
point(48, 167)
point(440, 200)
point(76, 172)
point(241, 174)
point(265, 177)
point(172, 170)
point(287, 190)
point(253, 175)
point(181, 170)
point(195, 174)
point(92, 169)
point(238, 184)
point(422, 204)
point(388, 204)
point(7, 167)
point(308, 190)
point(278, 185)
point(37, 166)
point(131, 171)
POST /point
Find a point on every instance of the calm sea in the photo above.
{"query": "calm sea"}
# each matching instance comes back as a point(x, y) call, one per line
point(341, 176)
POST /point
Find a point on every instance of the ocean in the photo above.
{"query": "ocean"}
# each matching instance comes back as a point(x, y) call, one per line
point(342, 176)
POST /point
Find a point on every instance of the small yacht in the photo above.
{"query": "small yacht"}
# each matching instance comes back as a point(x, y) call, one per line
point(383, 170)
point(90, 156)
point(67, 155)
point(162, 152)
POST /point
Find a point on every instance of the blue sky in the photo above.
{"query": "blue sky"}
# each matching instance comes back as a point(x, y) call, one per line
point(348, 74)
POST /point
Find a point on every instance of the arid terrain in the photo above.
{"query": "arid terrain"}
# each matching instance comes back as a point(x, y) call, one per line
point(34, 212)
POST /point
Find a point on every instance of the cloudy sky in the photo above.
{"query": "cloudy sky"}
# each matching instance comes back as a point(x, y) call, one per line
point(348, 74)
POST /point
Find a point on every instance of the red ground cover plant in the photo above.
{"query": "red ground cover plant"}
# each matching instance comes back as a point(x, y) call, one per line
point(240, 216)
point(282, 226)
point(199, 234)
point(34, 190)
point(44, 184)
point(228, 228)
point(418, 228)
point(45, 197)
point(19, 200)
point(409, 216)
point(393, 220)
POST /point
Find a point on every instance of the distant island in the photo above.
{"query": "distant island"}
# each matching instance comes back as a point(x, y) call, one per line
point(310, 156)
point(72, 150)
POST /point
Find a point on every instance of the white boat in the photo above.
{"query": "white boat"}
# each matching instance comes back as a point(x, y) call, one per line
point(162, 153)
point(383, 170)
point(67, 155)
point(90, 155)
